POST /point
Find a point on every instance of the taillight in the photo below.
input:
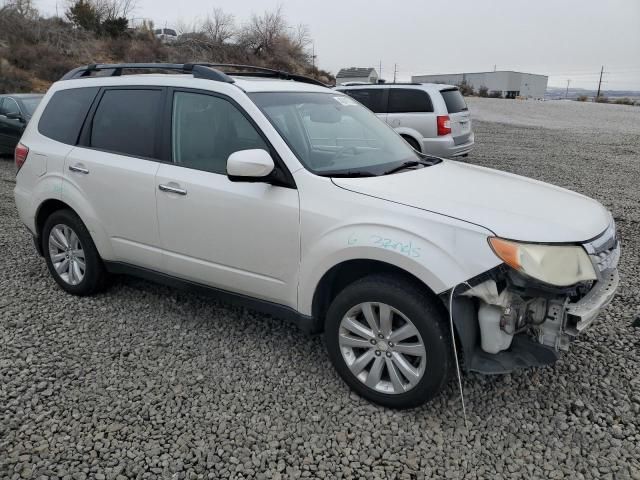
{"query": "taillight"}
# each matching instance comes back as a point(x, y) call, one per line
point(444, 125)
point(20, 155)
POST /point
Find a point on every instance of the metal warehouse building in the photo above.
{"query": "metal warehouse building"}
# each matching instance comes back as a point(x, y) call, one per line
point(510, 84)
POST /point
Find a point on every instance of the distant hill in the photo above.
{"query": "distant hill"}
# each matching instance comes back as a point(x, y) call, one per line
point(558, 92)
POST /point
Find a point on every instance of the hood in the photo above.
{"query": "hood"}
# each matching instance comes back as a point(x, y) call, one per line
point(511, 206)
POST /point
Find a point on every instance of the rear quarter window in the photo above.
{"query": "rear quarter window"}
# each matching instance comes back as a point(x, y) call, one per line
point(454, 100)
point(65, 113)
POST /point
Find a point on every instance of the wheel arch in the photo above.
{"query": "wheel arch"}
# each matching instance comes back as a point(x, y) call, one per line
point(345, 273)
point(44, 211)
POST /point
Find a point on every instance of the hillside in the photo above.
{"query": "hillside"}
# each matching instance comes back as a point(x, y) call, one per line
point(36, 51)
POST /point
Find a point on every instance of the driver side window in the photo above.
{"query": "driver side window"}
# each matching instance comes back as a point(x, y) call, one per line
point(206, 129)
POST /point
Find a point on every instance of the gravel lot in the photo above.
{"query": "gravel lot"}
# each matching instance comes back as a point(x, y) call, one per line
point(143, 381)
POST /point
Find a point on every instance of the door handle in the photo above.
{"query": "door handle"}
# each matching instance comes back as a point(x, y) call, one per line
point(170, 189)
point(73, 168)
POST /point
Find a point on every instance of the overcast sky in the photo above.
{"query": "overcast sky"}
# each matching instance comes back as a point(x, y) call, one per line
point(565, 39)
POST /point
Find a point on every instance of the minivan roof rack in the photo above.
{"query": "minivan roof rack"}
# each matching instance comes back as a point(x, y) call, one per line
point(209, 71)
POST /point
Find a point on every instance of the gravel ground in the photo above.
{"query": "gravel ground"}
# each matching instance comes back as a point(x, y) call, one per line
point(144, 382)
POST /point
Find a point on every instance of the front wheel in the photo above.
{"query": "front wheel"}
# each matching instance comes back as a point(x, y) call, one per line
point(388, 341)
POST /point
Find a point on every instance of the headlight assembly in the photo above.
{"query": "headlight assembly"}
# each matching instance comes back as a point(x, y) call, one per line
point(560, 265)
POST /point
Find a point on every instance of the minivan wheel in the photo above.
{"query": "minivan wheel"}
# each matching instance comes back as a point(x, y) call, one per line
point(71, 255)
point(412, 141)
point(388, 340)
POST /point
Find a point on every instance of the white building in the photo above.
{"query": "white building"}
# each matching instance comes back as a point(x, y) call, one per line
point(509, 84)
point(354, 74)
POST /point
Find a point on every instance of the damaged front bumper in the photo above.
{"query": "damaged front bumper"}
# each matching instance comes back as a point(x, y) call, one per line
point(505, 321)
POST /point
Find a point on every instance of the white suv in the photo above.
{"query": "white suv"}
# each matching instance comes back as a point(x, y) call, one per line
point(296, 200)
point(431, 117)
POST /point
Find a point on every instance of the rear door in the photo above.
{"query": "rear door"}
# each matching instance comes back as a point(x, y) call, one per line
point(375, 99)
point(458, 115)
point(411, 109)
point(113, 168)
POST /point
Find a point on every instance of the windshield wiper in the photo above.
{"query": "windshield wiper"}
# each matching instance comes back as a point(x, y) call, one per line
point(346, 173)
point(405, 165)
point(425, 160)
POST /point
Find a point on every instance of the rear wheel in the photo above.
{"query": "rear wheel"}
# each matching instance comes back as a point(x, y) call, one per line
point(388, 341)
point(71, 255)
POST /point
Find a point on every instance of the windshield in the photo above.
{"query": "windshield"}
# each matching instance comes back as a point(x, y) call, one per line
point(30, 104)
point(332, 134)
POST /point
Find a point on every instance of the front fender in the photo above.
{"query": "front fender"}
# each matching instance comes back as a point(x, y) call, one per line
point(433, 261)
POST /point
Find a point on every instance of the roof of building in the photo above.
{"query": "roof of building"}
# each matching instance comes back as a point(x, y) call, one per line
point(354, 72)
point(477, 73)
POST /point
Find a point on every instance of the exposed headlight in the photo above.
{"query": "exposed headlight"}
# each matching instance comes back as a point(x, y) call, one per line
point(560, 265)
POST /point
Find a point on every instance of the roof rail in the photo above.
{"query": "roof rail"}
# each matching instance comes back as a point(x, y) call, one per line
point(115, 70)
point(209, 71)
point(264, 72)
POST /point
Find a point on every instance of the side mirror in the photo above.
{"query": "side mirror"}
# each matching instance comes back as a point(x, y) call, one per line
point(249, 165)
point(15, 116)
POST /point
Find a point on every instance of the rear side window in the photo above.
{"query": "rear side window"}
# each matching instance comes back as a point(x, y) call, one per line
point(372, 98)
point(409, 101)
point(454, 100)
point(126, 122)
point(64, 115)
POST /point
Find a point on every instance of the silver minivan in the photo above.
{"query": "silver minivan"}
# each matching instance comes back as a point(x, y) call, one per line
point(432, 118)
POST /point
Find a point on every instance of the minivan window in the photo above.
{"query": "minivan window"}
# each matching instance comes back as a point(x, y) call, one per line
point(406, 100)
point(372, 98)
point(65, 113)
point(206, 129)
point(126, 122)
point(454, 100)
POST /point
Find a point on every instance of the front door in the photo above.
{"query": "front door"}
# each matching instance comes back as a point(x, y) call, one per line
point(237, 236)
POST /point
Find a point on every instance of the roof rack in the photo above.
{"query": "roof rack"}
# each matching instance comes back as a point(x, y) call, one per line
point(115, 70)
point(209, 71)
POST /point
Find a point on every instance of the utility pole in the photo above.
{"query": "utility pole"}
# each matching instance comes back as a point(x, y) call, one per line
point(494, 67)
point(599, 83)
point(395, 71)
point(313, 55)
point(380, 71)
point(566, 94)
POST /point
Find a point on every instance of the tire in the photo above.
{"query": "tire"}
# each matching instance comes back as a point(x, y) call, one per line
point(413, 142)
point(407, 302)
point(68, 224)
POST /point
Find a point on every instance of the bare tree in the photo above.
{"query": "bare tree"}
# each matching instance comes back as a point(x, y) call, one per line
point(219, 27)
point(263, 32)
point(112, 9)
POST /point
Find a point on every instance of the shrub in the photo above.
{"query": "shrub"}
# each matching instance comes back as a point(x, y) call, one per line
point(483, 91)
point(602, 99)
point(465, 88)
point(624, 101)
point(13, 80)
point(495, 94)
point(582, 98)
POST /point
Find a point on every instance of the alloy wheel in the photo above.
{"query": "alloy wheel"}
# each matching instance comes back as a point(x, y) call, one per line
point(382, 347)
point(67, 254)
